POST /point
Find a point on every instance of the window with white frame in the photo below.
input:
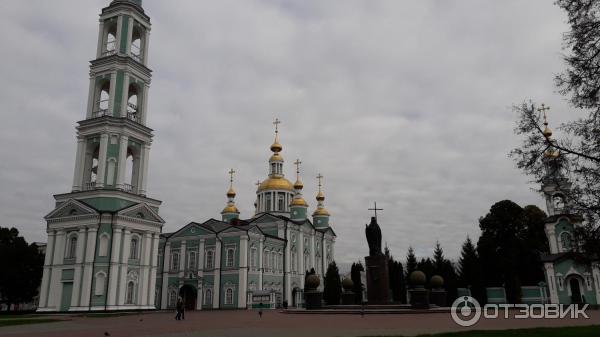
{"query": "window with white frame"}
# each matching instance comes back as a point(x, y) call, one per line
point(266, 260)
point(192, 260)
point(210, 259)
point(71, 247)
point(103, 245)
point(175, 261)
point(294, 261)
point(253, 258)
point(229, 296)
point(280, 257)
point(133, 249)
point(130, 294)
point(230, 253)
point(208, 296)
point(274, 261)
point(100, 284)
point(566, 240)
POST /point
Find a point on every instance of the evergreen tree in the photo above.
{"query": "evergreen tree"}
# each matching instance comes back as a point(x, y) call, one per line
point(411, 262)
point(355, 275)
point(438, 258)
point(427, 266)
point(469, 271)
point(332, 291)
point(445, 268)
point(21, 265)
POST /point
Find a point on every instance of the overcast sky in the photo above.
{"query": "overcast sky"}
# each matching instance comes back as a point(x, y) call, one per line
point(407, 103)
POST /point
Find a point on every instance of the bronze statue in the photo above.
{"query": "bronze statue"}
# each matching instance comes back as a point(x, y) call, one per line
point(373, 233)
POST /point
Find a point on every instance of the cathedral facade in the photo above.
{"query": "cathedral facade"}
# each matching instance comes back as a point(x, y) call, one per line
point(106, 250)
point(234, 263)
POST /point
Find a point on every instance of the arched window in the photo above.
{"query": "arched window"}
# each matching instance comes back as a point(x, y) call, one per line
point(136, 43)
point(268, 202)
point(566, 241)
point(72, 247)
point(133, 103)
point(101, 106)
point(133, 249)
point(110, 41)
point(229, 296)
point(172, 299)
point(103, 245)
point(130, 295)
point(281, 202)
point(208, 297)
point(175, 261)
point(229, 258)
point(100, 284)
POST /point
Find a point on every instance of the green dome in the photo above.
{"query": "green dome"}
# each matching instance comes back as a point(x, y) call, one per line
point(312, 281)
point(417, 278)
point(347, 284)
point(436, 281)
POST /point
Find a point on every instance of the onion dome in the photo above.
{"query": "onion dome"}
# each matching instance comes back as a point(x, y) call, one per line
point(276, 147)
point(547, 132)
point(276, 183)
point(276, 157)
point(230, 211)
point(231, 193)
point(298, 184)
point(320, 196)
point(298, 202)
point(320, 211)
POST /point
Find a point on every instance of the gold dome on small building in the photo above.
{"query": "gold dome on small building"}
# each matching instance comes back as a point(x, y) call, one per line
point(230, 209)
point(298, 185)
point(299, 202)
point(276, 147)
point(321, 211)
point(320, 196)
point(275, 183)
point(231, 193)
point(276, 157)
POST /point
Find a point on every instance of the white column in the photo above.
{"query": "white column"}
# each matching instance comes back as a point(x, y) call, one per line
point(596, 280)
point(47, 270)
point(79, 157)
point(144, 107)
point(182, 259)
point(145, 52)
point(552, 286)
point(86, 284)
point(102, 160)
point(550, 234)
point(122, 163)
point(112, 92)
point(312, 249)
point(143, 173)
point(123, 266)
point(217, 277)
point(287, 292)
point(301, 268)
point(100, 40)
point(144, 282)
point(165, 280)
point(243, 274)
point(125, 94)
point(260, 263)
point(129, 35)
point(323, 257)
point(201, 248)
point(77, 275)
point(153, 267)
point(55, 284)
point(91, 98)
point(200, 297)
point(119, 31)
point(114, 266)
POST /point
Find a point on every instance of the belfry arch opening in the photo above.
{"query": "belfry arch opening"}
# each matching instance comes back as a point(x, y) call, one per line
point(136, 47)
point(133, 100)
point(102, 102)
point(91, 167)
point(109, 46)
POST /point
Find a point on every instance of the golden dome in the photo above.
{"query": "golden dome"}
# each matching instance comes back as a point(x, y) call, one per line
point(231, 193)
point(275, 183)
point(547, 132)
point(276, 147)
point(321, 211)
point(275, 157)
point(230, 209)
point(298, 184)
point(320, 196)
point(298, 202)
point(551, 153)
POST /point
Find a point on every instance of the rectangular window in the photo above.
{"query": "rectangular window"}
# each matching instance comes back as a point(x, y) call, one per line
point(209, 259)
point(192, 260)
point(175, 262)
point(230, 256)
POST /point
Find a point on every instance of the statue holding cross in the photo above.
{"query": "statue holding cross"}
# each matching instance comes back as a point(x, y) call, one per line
point(373, 232)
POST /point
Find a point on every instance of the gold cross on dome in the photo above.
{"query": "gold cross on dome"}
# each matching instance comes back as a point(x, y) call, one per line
point(276, 123)
point(231, 172)
point(297, 163)
point(257, 183)
point(543, 108)
point(319, 177)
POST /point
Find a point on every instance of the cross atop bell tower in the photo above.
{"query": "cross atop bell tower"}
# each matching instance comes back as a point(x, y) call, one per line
point(113, 139)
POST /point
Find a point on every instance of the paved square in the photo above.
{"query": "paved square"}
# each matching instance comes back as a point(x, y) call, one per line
point(272, 324)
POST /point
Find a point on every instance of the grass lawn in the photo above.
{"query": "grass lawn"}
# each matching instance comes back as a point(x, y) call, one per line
point(21, 321)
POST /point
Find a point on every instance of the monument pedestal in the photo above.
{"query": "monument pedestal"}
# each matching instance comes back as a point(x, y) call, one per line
point(348, 298)
point(419, 298)
point(312, 299)
point(438, 297)
point(378, 285)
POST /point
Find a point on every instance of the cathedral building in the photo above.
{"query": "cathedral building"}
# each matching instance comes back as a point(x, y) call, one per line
point(105, 250)
point(234, 263)
point(571, 277)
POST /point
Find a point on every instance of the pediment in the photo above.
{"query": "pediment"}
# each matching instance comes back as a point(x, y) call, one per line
point(191, 229)
point(141, 211)
point(71, 208)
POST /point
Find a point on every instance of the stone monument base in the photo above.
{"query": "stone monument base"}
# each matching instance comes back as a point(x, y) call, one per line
point(419, 298)
point(348, 298)
point(378, 285)
point(438, 297)
point(312, 299)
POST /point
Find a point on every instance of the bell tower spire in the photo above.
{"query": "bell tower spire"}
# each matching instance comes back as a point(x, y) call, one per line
point(230, 211)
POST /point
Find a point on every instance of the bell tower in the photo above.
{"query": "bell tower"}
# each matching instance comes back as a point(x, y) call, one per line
point(113, 141)
point(103, 236)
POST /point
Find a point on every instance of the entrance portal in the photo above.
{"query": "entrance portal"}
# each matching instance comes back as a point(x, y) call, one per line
point(189, 295)
point(575, 291)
